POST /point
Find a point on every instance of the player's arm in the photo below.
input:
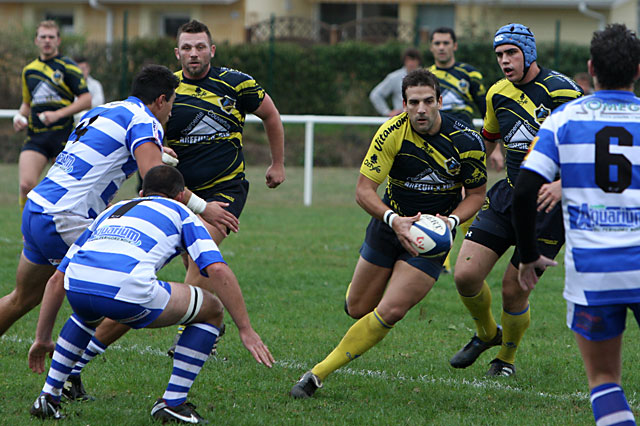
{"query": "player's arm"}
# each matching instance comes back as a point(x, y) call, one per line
point(81, 103)
point(149, 155)
point(226, 287)
point(494, 154)
point(469, 206)
point(524, 213)
point(272, 123)
point(368, 199)
point(51, 301)
point(379, 95)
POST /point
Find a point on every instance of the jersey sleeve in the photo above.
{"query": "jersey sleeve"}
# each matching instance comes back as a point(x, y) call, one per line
point(491, 128)
point(74, 79)
point(383, 149)
point(143, 128)
point(250, 94)
point(26, 94)
point(473, 160)
point(198, 243)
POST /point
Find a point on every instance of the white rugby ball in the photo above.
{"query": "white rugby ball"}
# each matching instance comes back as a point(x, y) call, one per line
point(430, 236)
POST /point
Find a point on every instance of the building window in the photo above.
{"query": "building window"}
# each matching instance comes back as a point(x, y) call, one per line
point(63, 19)
point(171, 23)
point(431, 17)
point(335, 13)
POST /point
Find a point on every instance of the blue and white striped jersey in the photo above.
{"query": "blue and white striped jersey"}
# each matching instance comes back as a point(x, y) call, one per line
point(595, 144)
point(97, 158)
point(118, 256)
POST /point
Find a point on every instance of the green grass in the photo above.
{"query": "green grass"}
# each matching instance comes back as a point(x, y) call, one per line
point(293, 263)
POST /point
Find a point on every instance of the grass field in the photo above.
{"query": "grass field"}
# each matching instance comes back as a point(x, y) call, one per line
point(293, 263)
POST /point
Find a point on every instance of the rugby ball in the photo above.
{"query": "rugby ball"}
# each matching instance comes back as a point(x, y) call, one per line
point(430, 236)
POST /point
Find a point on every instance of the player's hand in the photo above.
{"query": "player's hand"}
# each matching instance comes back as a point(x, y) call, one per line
point(401, 226)
point(221, 219)
point(48, 117)
point(528, 272)
point(496, 159)
point(38, 353)
point(275, 175)
point(20, 122)
point(254, 345)
point(169, 156)
point(549, 195)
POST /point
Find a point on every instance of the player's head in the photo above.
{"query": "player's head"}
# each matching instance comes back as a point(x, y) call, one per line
point(521, 38)
point(422, 101)
point(83, 64)
point(411, 59)
point(195, 49)
point(155, 86)
point(615, 57)
point(162, 180)
point(443, 45)
point(47, 39)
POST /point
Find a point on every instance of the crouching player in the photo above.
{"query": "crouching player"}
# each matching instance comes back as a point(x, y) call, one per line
point(110, 272)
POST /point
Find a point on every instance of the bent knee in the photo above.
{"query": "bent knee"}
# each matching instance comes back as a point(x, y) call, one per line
point(212, 309)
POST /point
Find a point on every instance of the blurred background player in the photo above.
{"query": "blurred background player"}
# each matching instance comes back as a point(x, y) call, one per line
point(390, 276)
point(516, 107)
point(463, 92)
point(391, 86)
point(53, 90)
point(94, 86)
point(601, 261)
point(111, 273)
point(584, 81)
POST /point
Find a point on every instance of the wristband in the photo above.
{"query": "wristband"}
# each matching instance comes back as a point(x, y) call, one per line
point(196, 204)
point(169, 160)
point(390, 219)
point(385, 216)
point(19, 118)
point(454, 221)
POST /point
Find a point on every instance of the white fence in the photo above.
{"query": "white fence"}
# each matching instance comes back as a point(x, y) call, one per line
point(309, 122)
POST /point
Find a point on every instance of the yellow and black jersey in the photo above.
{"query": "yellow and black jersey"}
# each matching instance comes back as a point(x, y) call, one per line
point(515, 113)
point(425, 173)
point(205, 128)
point(48, 86)
point(463, 92)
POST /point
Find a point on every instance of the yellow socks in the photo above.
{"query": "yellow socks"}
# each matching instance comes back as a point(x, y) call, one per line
point(513, 328)
point(22, 201)
point(361, 337)
point(479, 307)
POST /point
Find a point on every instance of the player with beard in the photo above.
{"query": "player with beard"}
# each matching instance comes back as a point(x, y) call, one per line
point(516, 107)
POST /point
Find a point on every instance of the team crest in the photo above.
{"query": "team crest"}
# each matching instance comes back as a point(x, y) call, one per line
point(453, 166)
point(463, 86)
point(199, 93)
point(227, 104)
point(57, 77)
point(542, 112)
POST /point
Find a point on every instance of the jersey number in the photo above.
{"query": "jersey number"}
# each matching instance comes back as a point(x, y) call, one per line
point(83, 127)
point(606, 162)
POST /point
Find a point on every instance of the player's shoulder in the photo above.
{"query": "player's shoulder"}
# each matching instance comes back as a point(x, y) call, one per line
point(554, 80)
point(467, 68)
point(460, 133)
point(499, 87)
point(231, 75)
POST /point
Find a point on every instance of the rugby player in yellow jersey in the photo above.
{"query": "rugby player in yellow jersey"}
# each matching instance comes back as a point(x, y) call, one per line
point(49, 85)
point(516, 107)
point(428, 159)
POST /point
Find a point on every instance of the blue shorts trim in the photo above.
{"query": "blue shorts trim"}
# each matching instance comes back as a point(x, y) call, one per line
point(600, 322)
point(91, 308)
point(42, 243)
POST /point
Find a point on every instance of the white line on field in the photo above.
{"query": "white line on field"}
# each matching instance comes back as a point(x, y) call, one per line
point(383, 375)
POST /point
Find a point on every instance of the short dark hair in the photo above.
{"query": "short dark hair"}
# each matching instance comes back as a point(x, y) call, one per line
point(615, 54)
point(153, 81)
point(194, 27)
point(420, 77)
point(444, 30)
point(412, 53)
point(162, 180)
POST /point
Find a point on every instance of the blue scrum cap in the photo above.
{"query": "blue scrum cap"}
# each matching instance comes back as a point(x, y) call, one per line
point(518, 35)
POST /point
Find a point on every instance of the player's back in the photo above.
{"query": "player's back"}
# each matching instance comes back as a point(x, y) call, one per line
point(120, 253)
point(598, 150)
point(97, 158)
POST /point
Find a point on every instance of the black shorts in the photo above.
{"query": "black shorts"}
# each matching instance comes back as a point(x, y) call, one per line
point(49, 144)
point(382, 248)
point(234, 192)
point(493, 228)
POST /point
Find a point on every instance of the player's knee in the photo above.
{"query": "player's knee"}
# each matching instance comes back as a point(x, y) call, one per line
point(26, 186)
point(354, 311)
point(392, 314)
point(212, 309)
point(466, 280)
point(23, 302)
